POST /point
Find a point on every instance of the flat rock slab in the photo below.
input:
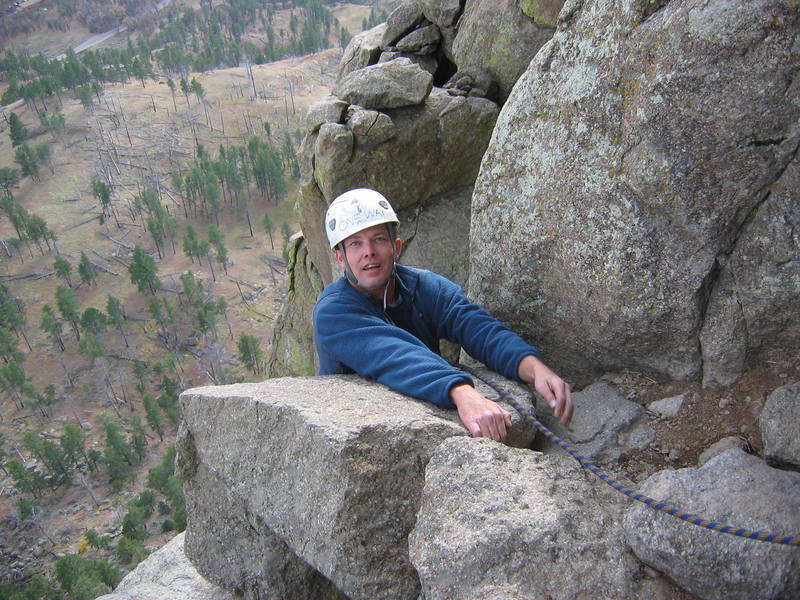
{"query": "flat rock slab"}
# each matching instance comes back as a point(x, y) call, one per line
point(734, 488)
point(323, 473)
point(605, 426)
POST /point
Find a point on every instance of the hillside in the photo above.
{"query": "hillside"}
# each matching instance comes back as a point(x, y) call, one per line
point(133, 136)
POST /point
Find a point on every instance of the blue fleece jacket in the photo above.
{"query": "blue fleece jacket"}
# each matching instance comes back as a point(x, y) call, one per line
point(353, 334)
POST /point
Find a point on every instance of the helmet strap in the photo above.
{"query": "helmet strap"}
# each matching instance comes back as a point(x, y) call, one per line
point(348, 271)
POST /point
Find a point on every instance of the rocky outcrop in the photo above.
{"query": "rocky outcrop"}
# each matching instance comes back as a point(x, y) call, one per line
point(636, 209)
point(392, 84)
point(501, 38)
point(637, 174)
point(336, 488)
point(413, 87)
point(309, 487)
point(380, 149)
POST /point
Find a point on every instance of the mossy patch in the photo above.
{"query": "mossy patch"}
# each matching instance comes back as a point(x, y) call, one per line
point(543, 12)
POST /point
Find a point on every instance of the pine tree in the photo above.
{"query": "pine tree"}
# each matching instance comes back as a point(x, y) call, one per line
point(185, 89)
point(117, 456)
point(16, 382)
point(68, 307)
point(51, 325)
point(51, 456)
point(62, 269)
point(93, 321)
point(144, 272)
point(190, 243)
point(153, 416)
point(192, 289)
point(269, 228)
point(217, 239)
point(45, 399)
point(26, 158)
point(86, 269)
point(116, 316)
point(44, 156)
point(16, 130)
point(9, 178)
point(73, 443)
point(8, 347)
point(12, 313)
point(102, 192)
point(138, 437)
point(36, 229)
point(250, 353)
point(26, 480)
point(171, 86)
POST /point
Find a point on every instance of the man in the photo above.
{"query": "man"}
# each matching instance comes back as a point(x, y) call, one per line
point(384, 321)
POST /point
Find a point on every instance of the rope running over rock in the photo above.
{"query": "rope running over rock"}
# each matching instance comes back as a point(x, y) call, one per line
point(761, 536)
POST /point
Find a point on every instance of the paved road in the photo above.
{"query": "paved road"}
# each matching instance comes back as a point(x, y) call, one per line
point(101, 37)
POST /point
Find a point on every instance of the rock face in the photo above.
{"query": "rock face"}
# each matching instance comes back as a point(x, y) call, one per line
point(620, 218)
point(501, 38)
point(167, 575)
point(308, 487)
point(733, 488)
point(291, 347)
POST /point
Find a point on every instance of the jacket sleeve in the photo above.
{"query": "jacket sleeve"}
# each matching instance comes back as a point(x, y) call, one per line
point(360, 339)
point(483, 337)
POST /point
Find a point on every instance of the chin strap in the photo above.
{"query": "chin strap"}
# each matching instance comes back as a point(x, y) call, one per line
point(391, 278)
point(348, 272)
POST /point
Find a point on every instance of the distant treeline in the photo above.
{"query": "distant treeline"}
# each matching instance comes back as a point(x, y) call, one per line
point(185, 40)
point(58, 15)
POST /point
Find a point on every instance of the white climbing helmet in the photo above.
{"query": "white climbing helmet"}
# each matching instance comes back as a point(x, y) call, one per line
point(355, 211)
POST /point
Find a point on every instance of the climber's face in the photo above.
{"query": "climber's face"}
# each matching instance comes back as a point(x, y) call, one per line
point(370, 254)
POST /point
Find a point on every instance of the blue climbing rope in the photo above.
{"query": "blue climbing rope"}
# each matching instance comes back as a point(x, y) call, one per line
point(761, 536)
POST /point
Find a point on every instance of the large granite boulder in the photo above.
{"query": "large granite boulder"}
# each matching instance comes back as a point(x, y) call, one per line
point(436, 235)
point(499, 523)
point(643, 154)
point(736, 489)
point(755, 299)
point(363, 50)
point(392, 84)
point(308, 487)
